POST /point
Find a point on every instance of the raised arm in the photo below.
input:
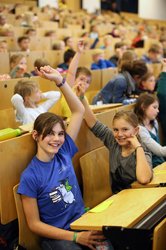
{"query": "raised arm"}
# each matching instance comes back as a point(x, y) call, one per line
point(71, 74)
point(18, 104)
point(90, 118)
point(73, 101)
point(50, 98)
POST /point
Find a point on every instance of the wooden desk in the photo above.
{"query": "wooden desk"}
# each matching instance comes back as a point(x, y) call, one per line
point(128, 207)
point(104, 107)
point(159, 178)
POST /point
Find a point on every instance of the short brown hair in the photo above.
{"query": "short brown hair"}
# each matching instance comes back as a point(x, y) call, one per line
point(45, 122)
point(25, 87)
point(15, 59)
point(83, 70)
point(40, 63)
point(155, 48)
point(21, 38)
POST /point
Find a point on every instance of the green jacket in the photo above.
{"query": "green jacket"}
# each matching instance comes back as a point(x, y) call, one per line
point(161, 92)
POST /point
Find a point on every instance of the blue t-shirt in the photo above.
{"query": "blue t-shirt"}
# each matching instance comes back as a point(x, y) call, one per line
point(54, 185)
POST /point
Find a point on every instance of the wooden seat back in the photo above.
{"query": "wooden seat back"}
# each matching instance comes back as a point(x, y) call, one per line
point(27, 238)
point(108, 74)
point(96, 177)
point(8, 119)
point(15, 154)
point(159, 239)
point(5, 66)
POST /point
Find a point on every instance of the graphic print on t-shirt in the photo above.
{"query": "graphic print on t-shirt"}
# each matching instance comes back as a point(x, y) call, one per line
point(62, 192)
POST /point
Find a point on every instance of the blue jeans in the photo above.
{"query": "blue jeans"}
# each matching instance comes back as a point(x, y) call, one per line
point(49, 244)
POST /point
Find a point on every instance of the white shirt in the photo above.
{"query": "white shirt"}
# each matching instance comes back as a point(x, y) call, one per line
point(28, 115)
point(151, 144)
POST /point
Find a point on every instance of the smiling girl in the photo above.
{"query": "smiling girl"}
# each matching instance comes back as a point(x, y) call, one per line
point(49, 189)
point(147, 109)
point(129, 159)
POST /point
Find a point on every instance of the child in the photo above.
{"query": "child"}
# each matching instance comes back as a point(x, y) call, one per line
point(40, 62)
point(119, 48)
point(68, 56)
point(83, 75)
point(75, 76)
point(128, 56)
point(58, 45)
point(24, 43)
point(26, 98)
point(18, 66)
point(129, 159)
point(147, 109)
point(147, 83)
point(50, 193)
point(3, 46)
point(124, 84)
point(69, 43)
point(154, 55)
point(98, 60)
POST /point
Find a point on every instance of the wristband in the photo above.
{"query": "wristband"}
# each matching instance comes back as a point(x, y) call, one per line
point(138, 147)
point(62, 83)
point(75, 236)
point(81, 97)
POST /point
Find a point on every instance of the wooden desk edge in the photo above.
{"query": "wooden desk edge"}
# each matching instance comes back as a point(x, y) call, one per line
point(99, 228)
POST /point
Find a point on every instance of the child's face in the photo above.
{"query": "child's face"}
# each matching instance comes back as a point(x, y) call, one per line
point(98, 57)
point(23, 63)
point(83, 79)
point(62, 45)
point(24, 44)
point(70, 42)
point(155, 56)
point(152, 111)
point(50, 145)
point(107, 41)
point(149, 84)
point(122, 130)
point(119, 51)
point(32, 33)
point(35, 96)
point(3, 47)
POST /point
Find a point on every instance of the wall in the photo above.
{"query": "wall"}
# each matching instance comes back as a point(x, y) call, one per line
point(91, 6)
point(152, 9)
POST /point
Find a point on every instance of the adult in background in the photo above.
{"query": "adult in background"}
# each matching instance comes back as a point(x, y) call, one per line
point(124, 84)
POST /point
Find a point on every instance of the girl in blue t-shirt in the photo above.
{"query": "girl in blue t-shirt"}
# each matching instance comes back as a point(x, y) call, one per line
point(49, 190)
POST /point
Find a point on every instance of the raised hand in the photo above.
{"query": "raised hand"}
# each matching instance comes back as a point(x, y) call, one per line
point(80, 46)
point(49, 73)
point(79, 89)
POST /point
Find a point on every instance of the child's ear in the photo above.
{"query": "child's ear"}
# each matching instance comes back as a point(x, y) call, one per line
point(26, 99)
point(136, 130)
point(34, 135)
